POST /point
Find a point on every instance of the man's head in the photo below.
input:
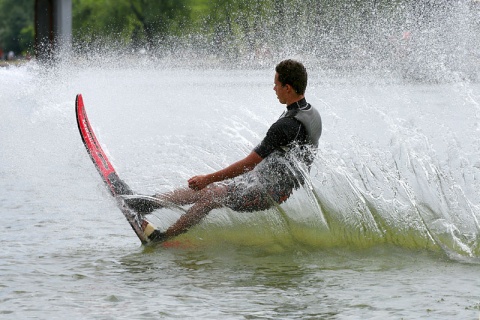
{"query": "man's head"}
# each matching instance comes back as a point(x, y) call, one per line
point(293, 73)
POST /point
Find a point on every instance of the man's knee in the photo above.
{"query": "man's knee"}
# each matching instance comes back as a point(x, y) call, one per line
point(214, 194)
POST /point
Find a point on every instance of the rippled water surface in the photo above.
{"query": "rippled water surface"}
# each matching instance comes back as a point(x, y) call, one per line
point(387, 227)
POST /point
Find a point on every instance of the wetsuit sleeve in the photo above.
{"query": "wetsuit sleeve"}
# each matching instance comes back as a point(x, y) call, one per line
point(281, 133)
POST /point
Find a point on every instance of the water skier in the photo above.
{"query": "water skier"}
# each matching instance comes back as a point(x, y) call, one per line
point(266, 176)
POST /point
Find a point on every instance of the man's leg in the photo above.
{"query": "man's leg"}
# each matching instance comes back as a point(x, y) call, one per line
point(146, 204)
point(204, 200)
point(182, 196)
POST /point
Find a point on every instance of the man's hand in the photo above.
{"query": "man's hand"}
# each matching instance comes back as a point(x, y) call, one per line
point(198, 182)
point(233, 170)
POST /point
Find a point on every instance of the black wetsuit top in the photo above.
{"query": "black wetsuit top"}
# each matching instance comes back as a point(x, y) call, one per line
point(274, 178)
point(284, 132)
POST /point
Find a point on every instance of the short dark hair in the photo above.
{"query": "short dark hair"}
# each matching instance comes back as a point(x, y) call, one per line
point(293, 73)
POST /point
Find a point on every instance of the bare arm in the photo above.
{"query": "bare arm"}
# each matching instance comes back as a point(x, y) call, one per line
point(233, 170)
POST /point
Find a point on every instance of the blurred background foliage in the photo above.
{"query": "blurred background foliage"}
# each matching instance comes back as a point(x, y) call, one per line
point(16, 25)
point(339, 31)
point(148, 22)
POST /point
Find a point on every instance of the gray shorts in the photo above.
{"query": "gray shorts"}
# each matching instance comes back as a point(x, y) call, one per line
point(250, 192)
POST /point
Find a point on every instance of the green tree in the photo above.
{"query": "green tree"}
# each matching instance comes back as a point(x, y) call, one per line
point(132, 22)
point(16, 25)
point(159, 18)
point(96, 20)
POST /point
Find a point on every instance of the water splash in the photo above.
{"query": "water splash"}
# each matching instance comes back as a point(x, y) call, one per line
point(398, 161)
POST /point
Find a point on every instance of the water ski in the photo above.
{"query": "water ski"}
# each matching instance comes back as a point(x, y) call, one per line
point(145, 230)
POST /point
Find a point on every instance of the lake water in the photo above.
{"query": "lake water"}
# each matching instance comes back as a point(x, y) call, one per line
point(387, 228)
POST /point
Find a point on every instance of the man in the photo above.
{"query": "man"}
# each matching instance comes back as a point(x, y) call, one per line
point(264, 177)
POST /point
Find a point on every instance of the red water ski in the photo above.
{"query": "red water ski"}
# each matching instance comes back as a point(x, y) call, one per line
point(98, 156)
point(117, 187)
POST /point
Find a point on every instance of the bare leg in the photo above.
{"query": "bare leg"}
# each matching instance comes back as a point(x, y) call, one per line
point(182, 196)
point(204, 201)
point(179, 197)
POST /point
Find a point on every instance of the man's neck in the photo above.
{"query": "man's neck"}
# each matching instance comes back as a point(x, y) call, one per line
point(294, 99)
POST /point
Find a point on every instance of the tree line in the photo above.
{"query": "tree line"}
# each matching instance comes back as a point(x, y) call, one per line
point(234, 27)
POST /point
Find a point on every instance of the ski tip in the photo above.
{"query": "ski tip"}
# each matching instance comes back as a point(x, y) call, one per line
point(78, 100)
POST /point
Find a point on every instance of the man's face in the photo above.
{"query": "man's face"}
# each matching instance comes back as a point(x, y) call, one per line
point(280, 90)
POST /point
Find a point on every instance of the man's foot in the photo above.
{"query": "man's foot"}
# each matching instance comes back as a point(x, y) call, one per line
point(157, 236)
point(143, 204)
point(152, 233)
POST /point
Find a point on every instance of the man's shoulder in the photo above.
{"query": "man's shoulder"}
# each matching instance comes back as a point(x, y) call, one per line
point(286, 121)
point(285, 125)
